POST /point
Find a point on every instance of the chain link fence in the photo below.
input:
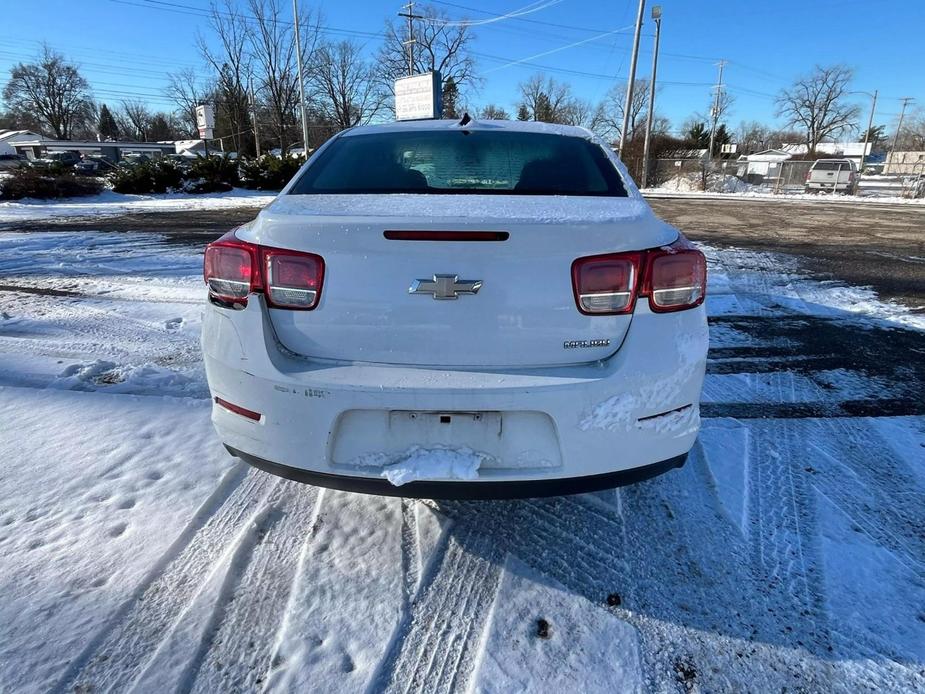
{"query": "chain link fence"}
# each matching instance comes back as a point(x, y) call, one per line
point(780, 177)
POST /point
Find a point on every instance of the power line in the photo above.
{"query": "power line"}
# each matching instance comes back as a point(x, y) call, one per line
point(560, 48)
point(514, 14)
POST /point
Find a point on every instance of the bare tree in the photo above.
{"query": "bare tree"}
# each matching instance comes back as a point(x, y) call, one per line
point(344, 85)
point(816, 104)
point(752, 136)
point(440, 43)
point(545, 99)
point(272, 43)
point(912, 135)
point(232, 65)
point(134, 119)
point(608, 116)
point(493, 112)
point(52, 89)
point(186, 91)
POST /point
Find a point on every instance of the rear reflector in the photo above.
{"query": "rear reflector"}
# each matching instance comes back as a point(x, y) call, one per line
point(446, 235)
point(237, 409)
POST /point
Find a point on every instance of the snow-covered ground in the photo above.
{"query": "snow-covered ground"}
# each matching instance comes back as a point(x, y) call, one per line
point(788, 554)
point(109, 203)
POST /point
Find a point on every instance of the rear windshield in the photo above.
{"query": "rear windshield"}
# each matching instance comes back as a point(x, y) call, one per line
point(460, 161)
point(831, 165)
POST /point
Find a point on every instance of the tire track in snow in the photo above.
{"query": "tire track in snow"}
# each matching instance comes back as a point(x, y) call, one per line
point(237, 652)
point(561, 537)
point(784, 531)
point(120, 651)
point(410, 551)
point(841, 453)
point(435, 645)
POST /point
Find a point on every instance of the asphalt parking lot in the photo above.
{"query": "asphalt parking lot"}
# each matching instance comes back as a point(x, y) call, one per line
point(862, 244)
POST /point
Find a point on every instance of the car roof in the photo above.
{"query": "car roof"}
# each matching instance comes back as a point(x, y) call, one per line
point(473, 125)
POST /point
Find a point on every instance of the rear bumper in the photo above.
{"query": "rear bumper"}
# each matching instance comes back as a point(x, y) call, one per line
point(519, 489)
point(598, 425)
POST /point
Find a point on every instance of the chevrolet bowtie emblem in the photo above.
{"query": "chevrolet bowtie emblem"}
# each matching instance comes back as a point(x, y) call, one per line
point(445, 287)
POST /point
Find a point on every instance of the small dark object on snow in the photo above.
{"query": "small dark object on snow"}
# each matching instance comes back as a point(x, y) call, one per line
point(542, 628)
point(614, 600)
point(686, 671)
point(465, 120)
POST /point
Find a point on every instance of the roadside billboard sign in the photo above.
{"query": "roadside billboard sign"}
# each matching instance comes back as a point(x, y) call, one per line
point(205, 117)
point(418, 97)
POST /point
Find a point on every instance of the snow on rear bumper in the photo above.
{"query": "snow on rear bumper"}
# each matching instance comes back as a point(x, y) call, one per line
point(636, 409)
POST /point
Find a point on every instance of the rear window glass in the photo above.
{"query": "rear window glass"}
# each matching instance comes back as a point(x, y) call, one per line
point(460, 161)
point(831, 165)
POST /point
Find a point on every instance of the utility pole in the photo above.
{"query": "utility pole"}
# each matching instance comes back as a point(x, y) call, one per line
point(409, 13)
point(716, 103)
point(632, 76)
point(905, 100)
point(657, 18)
point(870, 124)
point(250, 90)
point(298, 56)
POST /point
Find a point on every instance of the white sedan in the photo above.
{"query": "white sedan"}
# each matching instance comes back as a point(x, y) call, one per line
point(448, 310)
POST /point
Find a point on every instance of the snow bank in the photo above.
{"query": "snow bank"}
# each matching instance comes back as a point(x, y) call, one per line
point(109, 203)
point(670, 189)
point(692, 183)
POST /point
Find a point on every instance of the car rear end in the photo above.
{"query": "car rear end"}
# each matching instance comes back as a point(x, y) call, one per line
point(832, 175)
point(467, 339)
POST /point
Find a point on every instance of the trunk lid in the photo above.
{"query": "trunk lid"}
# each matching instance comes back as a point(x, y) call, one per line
point(524, 311)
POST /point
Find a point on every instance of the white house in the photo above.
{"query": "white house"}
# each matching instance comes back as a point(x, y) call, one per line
point(754, 168)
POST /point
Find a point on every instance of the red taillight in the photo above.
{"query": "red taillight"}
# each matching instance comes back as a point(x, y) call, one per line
point(230, 269)
point(676, 277)
point(606, 284)
point(672, 277)
point(233, 269)
point(293, 279)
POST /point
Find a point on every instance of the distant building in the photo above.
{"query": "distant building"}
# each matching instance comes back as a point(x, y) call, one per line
point(754, 168)
point(840, 150)
point(905, 163)
point(35, 146)
point(9, 138)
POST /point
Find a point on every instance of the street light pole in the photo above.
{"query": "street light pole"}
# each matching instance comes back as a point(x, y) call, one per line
point(632, 76)
point(657, 18)
point(870, 124)
point(298, 57)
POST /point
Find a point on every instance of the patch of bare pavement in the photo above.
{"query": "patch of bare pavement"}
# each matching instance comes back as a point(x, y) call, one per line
point(196, 226)
point(881, 246)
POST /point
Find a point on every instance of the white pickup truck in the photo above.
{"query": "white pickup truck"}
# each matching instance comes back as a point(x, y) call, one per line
point(835, 175)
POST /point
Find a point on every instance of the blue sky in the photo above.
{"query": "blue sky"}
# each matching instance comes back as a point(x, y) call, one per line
point(125, 46)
